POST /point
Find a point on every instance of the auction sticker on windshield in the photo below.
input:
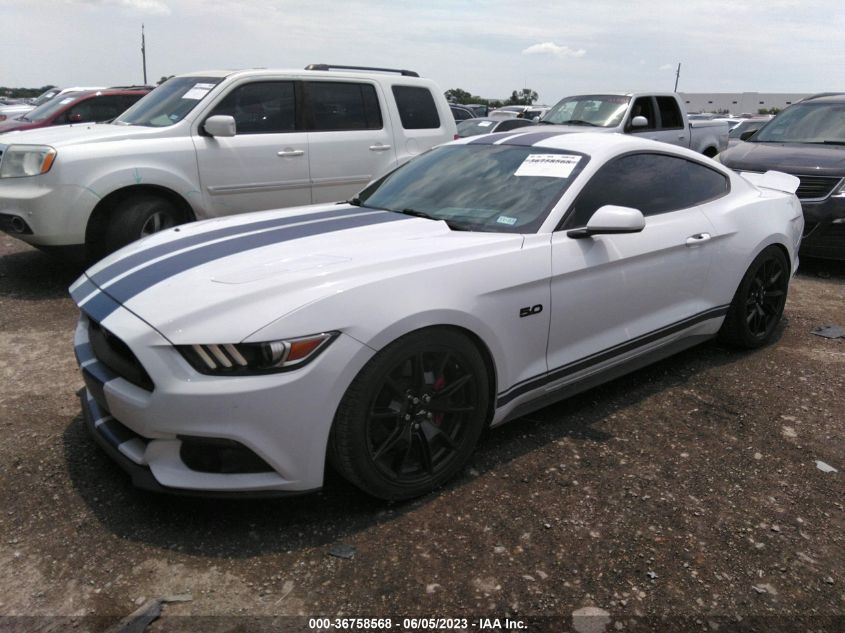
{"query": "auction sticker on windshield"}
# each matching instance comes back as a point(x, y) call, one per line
point(198, 91)
point(548, 165)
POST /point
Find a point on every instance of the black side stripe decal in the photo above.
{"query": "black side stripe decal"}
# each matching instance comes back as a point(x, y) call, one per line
point(135, 283)
point(135, 259)
point(599, 357)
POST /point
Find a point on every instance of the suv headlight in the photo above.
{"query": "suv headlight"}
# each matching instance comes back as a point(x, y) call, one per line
point(249, 359)
point(26, 160)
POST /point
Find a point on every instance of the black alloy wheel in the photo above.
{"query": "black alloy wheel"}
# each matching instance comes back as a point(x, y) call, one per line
point(757, 306)
point(412, 417)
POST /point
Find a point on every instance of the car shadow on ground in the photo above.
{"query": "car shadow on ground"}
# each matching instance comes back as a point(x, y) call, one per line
point(33, 275)
point(822, 268)
point(244, 528)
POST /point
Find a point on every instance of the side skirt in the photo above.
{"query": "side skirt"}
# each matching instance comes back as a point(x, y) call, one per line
point(588, 382)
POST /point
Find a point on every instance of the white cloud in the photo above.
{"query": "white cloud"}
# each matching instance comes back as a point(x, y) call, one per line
point(148, 7)
point(550, 48)
point(667, 67)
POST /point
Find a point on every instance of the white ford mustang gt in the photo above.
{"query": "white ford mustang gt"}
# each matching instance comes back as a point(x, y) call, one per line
point(482, 280)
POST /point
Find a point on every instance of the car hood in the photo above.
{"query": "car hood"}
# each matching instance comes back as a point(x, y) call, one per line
point(792, 158)
point(222, 280)
point(60, 135)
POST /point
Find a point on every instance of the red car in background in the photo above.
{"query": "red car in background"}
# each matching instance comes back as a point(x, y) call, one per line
point(87, 106)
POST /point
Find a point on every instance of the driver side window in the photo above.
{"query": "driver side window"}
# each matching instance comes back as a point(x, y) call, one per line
point(261, 107)
point(652, 183)
point(643, 107)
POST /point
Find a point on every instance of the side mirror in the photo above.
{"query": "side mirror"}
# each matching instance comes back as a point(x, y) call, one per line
point(611, 219)
point(74, 118)
point(220, 125)
point(639, 121)
point(747, 135)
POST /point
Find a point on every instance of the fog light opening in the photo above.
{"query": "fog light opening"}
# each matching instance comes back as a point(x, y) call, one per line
point(220, 456)
point(18, 225)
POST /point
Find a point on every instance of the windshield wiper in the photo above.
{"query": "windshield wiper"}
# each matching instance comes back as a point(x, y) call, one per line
point(577, 122)
point(422, 214)
point(833, 142)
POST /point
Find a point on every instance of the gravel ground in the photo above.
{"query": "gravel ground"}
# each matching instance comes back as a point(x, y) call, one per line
point(684, 496)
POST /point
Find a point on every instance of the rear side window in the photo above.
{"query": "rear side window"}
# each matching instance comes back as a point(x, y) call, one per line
point(670, 114)
point(97, 109)
point(335, 106)
point(417, 109)
point(265, 107)
point(652, 183)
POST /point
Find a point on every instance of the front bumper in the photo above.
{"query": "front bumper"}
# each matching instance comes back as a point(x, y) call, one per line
point(284, 419)
point(53, 216)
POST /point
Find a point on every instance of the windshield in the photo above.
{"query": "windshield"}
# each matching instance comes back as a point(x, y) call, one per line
point(169, 103)
point(44, 97)
point(47, 110)
point(590, 110)
point(491, 188)
point(474, 127)
point(806, 123)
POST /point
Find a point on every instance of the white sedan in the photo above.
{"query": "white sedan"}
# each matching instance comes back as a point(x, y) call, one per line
point(482, 280)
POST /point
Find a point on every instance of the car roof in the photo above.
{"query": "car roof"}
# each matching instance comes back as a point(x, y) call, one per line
point(302, 72)
point(826, 97)
point(596, 144)
point(106, 92)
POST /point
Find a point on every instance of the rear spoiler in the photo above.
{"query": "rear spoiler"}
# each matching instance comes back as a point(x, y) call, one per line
point(776, 180)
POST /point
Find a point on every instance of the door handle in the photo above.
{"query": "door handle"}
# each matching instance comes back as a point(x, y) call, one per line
point(681, 137)
point(379, 148)
point(698, 238)
point(290, 152)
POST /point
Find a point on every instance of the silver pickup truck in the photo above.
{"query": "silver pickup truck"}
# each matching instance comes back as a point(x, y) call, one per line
point(658, 116)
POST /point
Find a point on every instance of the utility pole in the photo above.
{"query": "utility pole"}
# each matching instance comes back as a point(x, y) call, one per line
point(677, 76)
point(144, 53)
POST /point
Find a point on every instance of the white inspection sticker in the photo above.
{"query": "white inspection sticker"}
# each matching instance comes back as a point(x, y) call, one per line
point(198, 91)
point(505, 219)
point(485, 124)
point(548, 165)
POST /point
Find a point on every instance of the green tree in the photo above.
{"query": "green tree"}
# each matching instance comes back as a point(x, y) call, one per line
point(526, 96)
point(456, 95)
point(768, 111)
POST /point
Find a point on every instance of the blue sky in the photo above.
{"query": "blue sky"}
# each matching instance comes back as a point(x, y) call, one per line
point(486, 47)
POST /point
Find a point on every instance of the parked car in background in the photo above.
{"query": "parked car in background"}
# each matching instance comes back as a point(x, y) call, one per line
point(13, 111)
point(215, 143)
point(90, 106)
point(472, 285)
point(480, 109)
point(461, 113)
point(501, 113)
point(474, 127)
point(746, 129)
point(535, 112)
point(659, 117)
point(807, 140)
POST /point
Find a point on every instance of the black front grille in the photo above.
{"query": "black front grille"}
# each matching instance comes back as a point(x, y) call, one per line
point(117, 356)
point(813, 187)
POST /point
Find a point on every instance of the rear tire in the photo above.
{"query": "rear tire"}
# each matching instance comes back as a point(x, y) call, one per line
point(413, 415)
point(137, 217)
point(758, 303)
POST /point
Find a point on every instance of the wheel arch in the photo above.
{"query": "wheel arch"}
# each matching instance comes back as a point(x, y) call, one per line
point(98, 220)
point(710, 152)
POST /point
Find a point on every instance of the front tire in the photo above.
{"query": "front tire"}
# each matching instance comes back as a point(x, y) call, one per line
point(412, 417)
point(758, 303)
point(138, 217)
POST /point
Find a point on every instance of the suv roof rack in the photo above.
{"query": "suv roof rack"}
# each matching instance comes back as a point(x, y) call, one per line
point(138, 87)
point(404, 73)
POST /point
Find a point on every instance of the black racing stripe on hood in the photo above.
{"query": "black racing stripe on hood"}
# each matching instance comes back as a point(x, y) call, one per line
point(135, 283)
point(129, 262)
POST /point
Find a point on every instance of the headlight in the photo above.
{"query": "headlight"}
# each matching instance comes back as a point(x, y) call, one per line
point(249, 359)
point(26, 160)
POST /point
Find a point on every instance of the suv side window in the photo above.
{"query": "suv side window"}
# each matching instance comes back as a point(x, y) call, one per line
point(643, 107)
point(96, 109)
point(264, 107)
point(652, 183)
point(416, 108)
point(670, 114)
point(340, 105)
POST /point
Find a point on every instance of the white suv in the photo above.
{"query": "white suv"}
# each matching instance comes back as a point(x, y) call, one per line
point(215, 143)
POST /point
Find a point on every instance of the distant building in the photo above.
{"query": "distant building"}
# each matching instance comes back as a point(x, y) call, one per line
point(739, 102)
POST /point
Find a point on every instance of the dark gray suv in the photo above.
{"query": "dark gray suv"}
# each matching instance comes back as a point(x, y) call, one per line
point(806, 140)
